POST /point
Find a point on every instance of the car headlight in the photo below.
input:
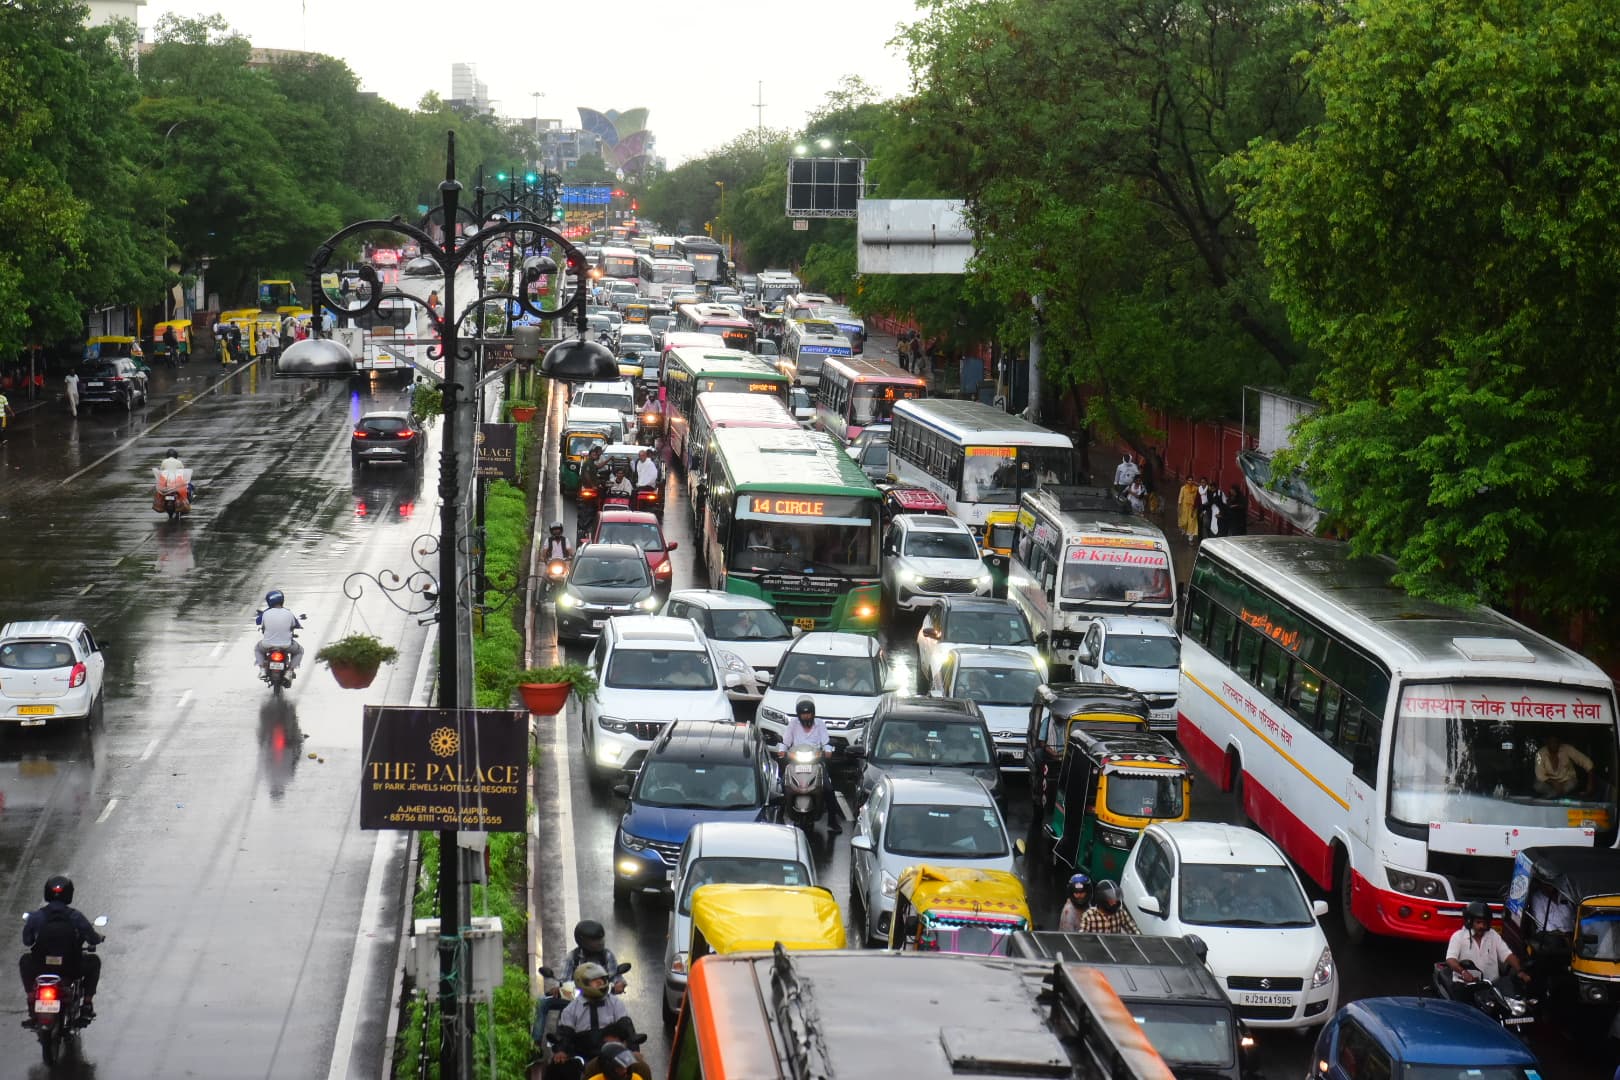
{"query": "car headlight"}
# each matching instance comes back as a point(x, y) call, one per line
point(665, 568)
point(631, 841)
point(735, 663)
point(1324, 969)
point(678, 965)
point(613, 724)
point(1405, 881)
point(860, 721)
point(649, 603)
point(771, 716)
point(907, 577)
point(888, 884)
point(984, 579)
point(567, 600)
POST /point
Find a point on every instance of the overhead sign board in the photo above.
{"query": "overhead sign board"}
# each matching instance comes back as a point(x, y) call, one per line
point(825, 187)
point(912, 236)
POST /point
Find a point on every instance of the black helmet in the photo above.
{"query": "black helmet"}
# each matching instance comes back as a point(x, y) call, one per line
point(60, 888)
point(1108, 896)
point(588, 934)
point(1477, 909)
point(173, 452)
point(805, 705)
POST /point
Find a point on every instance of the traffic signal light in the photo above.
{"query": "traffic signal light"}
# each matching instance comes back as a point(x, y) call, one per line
point(501, 177)
point(529, 178)
point(559, 214)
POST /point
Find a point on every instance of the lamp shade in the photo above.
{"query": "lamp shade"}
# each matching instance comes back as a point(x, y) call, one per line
point(577, 360)
point(315, 358)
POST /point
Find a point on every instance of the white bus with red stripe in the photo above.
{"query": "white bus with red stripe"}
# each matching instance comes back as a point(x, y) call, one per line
point(1388, 744)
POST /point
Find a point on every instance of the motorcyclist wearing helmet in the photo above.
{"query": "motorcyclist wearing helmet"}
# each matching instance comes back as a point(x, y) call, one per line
point(1477, 953)
point(1079, 901)
point(276, 626)
point(590, 947)
point(1107, 914)
point(617, 1062)
point(808, 730)
point(170, 470)
point(592, 1017)
point(59, 930)
point(557, 545)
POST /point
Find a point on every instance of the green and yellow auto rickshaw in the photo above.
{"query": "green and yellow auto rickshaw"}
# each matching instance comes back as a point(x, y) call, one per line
point(1060, 707)
point(1111, 785)
point(957, 909)
point(577, 442)
point(996, 540)
point(1563, 913)
point(182, 340)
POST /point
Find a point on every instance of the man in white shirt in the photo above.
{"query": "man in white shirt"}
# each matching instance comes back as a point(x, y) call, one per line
point(646, 470)
point(1126, 472)
point(1477, 944)
point(808, 730)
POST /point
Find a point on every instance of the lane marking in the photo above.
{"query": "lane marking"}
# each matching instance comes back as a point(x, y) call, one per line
point(133, 439)
point(85, 591)
point(185, 697)
point(219, 647)
point(108, 809)
point(151, 748)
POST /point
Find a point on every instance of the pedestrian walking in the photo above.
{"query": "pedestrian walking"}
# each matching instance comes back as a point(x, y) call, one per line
point(1187, 509)
point(5, 414)
point(70, 383)
point(1136, 496)
point(1237, 512)
point(1206, 500)
point(1217, 511)
point(272, 342)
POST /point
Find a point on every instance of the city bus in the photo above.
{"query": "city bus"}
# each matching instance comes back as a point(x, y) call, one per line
point(659, 276)
point(663, 247)
point(922, 1015)
point(791, 519)
point(774, 285)
point(1389, 744)
point(856, 392)
point(718, 320)
point(723, 410)
point(806, 343)
point(975, 457)
point(689, 372)
point(707, 257)
point(617, 261)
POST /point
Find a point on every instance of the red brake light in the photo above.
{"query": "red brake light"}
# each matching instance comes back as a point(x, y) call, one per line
point(277, 655)
point(406, 433)
point(47, 993)
point(78, 675)
point(360, 433)
point(587, 493)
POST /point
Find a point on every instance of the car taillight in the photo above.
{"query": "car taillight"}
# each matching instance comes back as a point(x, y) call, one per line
point(78, 675)
point(587, 493)
point(359, 433)
point(406, 433)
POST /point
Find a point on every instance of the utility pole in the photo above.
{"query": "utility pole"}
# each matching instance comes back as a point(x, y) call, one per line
point(759, 111)
point(1037, 330)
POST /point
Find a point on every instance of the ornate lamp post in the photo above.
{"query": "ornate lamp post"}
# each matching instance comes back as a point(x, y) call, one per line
point(571, 360)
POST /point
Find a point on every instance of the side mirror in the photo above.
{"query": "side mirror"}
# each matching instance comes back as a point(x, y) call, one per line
point(1020, 848)
point(622, 790)
point(861, 842)
point(101, 921)
point(930, 632)
point(798, 631)
point(734, 680)
point(673, 544)
point(1319, 908)
point(546, 971)
point(855, 751)
point(1150, 906)
point(621, 969)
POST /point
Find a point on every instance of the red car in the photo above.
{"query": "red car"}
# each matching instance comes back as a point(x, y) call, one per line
point(642, 530)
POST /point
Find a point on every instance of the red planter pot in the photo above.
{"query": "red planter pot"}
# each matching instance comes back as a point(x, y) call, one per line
point(544, 699)
point(524, 413)
point(351, 677)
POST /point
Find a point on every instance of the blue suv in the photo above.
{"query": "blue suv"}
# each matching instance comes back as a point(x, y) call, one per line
point(1404, 1036)
point(697, 771)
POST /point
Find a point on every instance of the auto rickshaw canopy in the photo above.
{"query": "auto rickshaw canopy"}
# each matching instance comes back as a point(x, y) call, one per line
point(1563, 907)
point(944, 890)
point(112, 345)
point(754, 918)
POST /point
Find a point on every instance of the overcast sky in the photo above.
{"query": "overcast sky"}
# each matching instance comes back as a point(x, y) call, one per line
point(696, 67)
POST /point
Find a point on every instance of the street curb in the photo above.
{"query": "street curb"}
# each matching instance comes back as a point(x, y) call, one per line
point(535, 938)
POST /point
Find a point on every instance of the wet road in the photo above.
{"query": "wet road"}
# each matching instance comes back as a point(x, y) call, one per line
point(216, 825)
point(578, 827)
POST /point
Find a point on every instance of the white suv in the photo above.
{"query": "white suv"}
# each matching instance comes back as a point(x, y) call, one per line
point(926, 556)
point(1143, 654)
point(651, 671)
point(844, 674)
point(49, 672)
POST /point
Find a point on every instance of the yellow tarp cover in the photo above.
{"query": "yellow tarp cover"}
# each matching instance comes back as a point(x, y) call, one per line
point(753, 918)
point(954, 888)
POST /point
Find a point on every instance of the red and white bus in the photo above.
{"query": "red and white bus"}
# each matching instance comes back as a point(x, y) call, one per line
point(719, 321)
point(618, 263)
point(855, 393)
point(1394, 747)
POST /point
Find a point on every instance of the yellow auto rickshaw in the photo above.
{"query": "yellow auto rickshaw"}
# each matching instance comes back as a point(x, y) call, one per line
point(244, 321)
point(755, 918)
point(996, 541)
point(957, 909)
point(182, 340)
point(114, 346)
point(577, 442)
point(637, 313)
point(1563, 913)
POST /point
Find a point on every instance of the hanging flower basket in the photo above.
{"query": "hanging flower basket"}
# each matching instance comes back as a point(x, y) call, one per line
point(544, 699)
point(524, 413)
point(353, 676)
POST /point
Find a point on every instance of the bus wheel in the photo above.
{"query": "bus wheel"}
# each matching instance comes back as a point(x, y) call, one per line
point(1355, 932)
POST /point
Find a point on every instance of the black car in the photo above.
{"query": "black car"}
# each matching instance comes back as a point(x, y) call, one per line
point(911, 735)
point(394, 437)
point(112, 381)
point(604, 580)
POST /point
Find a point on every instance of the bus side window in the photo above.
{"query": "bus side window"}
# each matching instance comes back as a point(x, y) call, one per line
point(1197, 616)
point(1357, 739)
point(1328, 724)
point(1247, 656)
point(1274, 661)
point(1304, 694)
point(1219, 641)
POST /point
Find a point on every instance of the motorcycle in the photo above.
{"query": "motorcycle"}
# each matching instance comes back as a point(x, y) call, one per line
point(57, 1004)
point(174, 493)
point(556, 574)
point(1517, 1014)
point(651, 428)
point(276, 668)
point(803, 774)
point(561, 995)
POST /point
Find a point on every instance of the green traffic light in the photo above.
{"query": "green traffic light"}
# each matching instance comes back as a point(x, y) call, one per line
point(530, 177)
point(501, 177)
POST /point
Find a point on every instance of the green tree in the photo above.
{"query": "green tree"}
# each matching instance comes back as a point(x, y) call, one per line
point(1447, 237)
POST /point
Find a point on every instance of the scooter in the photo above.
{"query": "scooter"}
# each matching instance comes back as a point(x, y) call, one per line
point(276, 668)
point(174, 493)
point(561, 994)
point(1517, 1014)
point(803, 773)
point(556, 574)
point(57, 1004)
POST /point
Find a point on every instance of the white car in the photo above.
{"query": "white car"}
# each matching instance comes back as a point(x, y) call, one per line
point(939, 820)
point(1003, 683)
point(869, 433)
point(926, 556)
point(745, 626)
point(1233, 888)
point(637, 339)
point(1143, 654)
point(50, 672)
point(617, 396)
point(731, 853)
point(651, 672)
point(844, 674)
point(970, 620)
point(803, 406)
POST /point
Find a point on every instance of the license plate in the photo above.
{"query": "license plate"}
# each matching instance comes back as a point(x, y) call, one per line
point(1268, 999)
point(596, 624)
point(669, 876)
point(1519, 1021)
point(805, 624)
point(1162, 714)
point(52, 1006)
point(94, 384)
point(276, 665)
point(36, 710)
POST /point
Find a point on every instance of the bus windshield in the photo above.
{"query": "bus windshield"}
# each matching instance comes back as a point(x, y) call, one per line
point(706, 265)
point(815, 547)
point(618, 266)
point(996, 474)
point(1503, 754)
point(873, 403)
point(1119, 575)
point(672, 275)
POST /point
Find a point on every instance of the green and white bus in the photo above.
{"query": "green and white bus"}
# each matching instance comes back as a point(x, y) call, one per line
point(690, 371)
point(790, 518)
